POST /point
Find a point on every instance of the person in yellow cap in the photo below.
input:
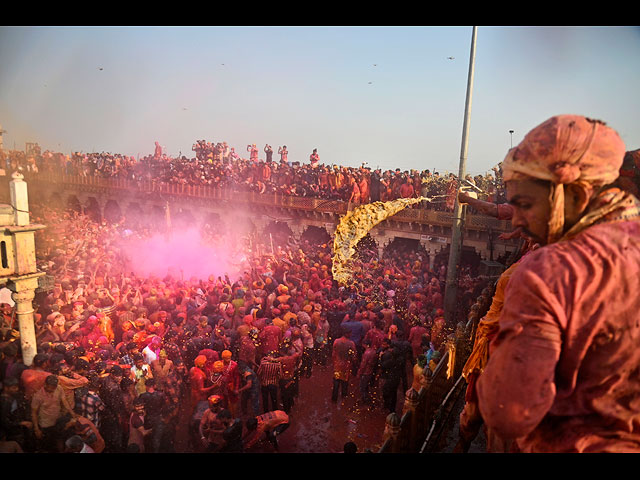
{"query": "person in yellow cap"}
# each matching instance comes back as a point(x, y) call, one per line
point(197, 381)
point(211, 426)
point(562, 374)
point(219, 382)
point(231, 375)
point(278, 321)
point(139, 372)
point(283, 294)
point(167, 378)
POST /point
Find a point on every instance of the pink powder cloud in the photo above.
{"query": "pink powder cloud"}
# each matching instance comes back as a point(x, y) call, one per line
point(183, 251)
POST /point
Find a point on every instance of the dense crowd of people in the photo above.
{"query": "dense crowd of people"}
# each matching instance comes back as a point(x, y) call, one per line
point(218, 165)
point(123, 357)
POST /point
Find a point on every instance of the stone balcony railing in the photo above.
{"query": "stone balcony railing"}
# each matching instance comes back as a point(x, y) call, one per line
point(151, 189)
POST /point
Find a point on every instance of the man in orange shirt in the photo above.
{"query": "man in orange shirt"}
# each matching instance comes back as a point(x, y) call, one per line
point(32, 379)
point(50, 413)
point(197, 380)
point(272, 424)
point(364, 187)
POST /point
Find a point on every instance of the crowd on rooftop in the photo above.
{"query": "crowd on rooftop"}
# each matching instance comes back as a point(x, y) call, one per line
point(218, 165)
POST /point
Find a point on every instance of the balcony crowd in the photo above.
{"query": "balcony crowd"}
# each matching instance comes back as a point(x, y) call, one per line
point(218, 165)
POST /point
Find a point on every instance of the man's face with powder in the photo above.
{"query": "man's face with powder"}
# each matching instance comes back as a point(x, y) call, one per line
point(532, 210)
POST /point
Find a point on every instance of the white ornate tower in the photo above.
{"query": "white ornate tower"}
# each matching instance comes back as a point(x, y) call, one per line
point(18, 271)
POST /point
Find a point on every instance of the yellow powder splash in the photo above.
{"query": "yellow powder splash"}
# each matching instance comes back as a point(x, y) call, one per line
point(355, 225)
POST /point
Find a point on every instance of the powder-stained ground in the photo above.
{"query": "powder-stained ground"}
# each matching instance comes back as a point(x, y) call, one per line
point(320, 426)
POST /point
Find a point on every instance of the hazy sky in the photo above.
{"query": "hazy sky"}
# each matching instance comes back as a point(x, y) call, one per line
point(388, 96)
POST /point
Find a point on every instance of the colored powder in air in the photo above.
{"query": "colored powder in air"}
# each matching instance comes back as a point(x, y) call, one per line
point(353, 227)
point(182, 253)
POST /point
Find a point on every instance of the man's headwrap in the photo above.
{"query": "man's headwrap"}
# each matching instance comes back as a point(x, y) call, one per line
point(218, 367)
point(566, 149)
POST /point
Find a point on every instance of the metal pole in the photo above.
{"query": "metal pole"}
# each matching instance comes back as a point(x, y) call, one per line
point(451, 288)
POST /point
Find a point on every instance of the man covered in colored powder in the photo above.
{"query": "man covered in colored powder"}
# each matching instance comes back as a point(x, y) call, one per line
point(272, 424)
point(563, 369)
point(470, 418)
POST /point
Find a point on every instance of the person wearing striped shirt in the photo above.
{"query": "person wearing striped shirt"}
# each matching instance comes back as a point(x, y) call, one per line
point(269, 374)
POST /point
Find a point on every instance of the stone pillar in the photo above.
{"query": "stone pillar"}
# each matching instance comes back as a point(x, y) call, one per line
point(383, 240)
point(99, 205)
point(23, 294)
point(23, 279)
point(297, 229)
point(19, 199)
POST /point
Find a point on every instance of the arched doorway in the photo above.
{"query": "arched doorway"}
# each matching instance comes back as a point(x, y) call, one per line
point(112, 212)
point(56, 202)
point(182, 218)
point(278, 231)
point(213, 224)
point(73, 204)
point(470, 259)
point(315, 235)
point(92, 210)
point(134, 216)
point(158, 218)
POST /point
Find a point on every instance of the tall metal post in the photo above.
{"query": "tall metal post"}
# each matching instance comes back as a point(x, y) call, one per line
point(451, 288)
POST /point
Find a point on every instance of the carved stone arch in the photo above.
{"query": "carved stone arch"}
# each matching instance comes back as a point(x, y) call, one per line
point(277, 230)
point(73, 204)
point(182, 218)
point(92, 209)
point(134, 215)
point(112, 211)
point(407, 245)
point(56, 201)
point(158, 217)
point(315, 235)
point(213, 223)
